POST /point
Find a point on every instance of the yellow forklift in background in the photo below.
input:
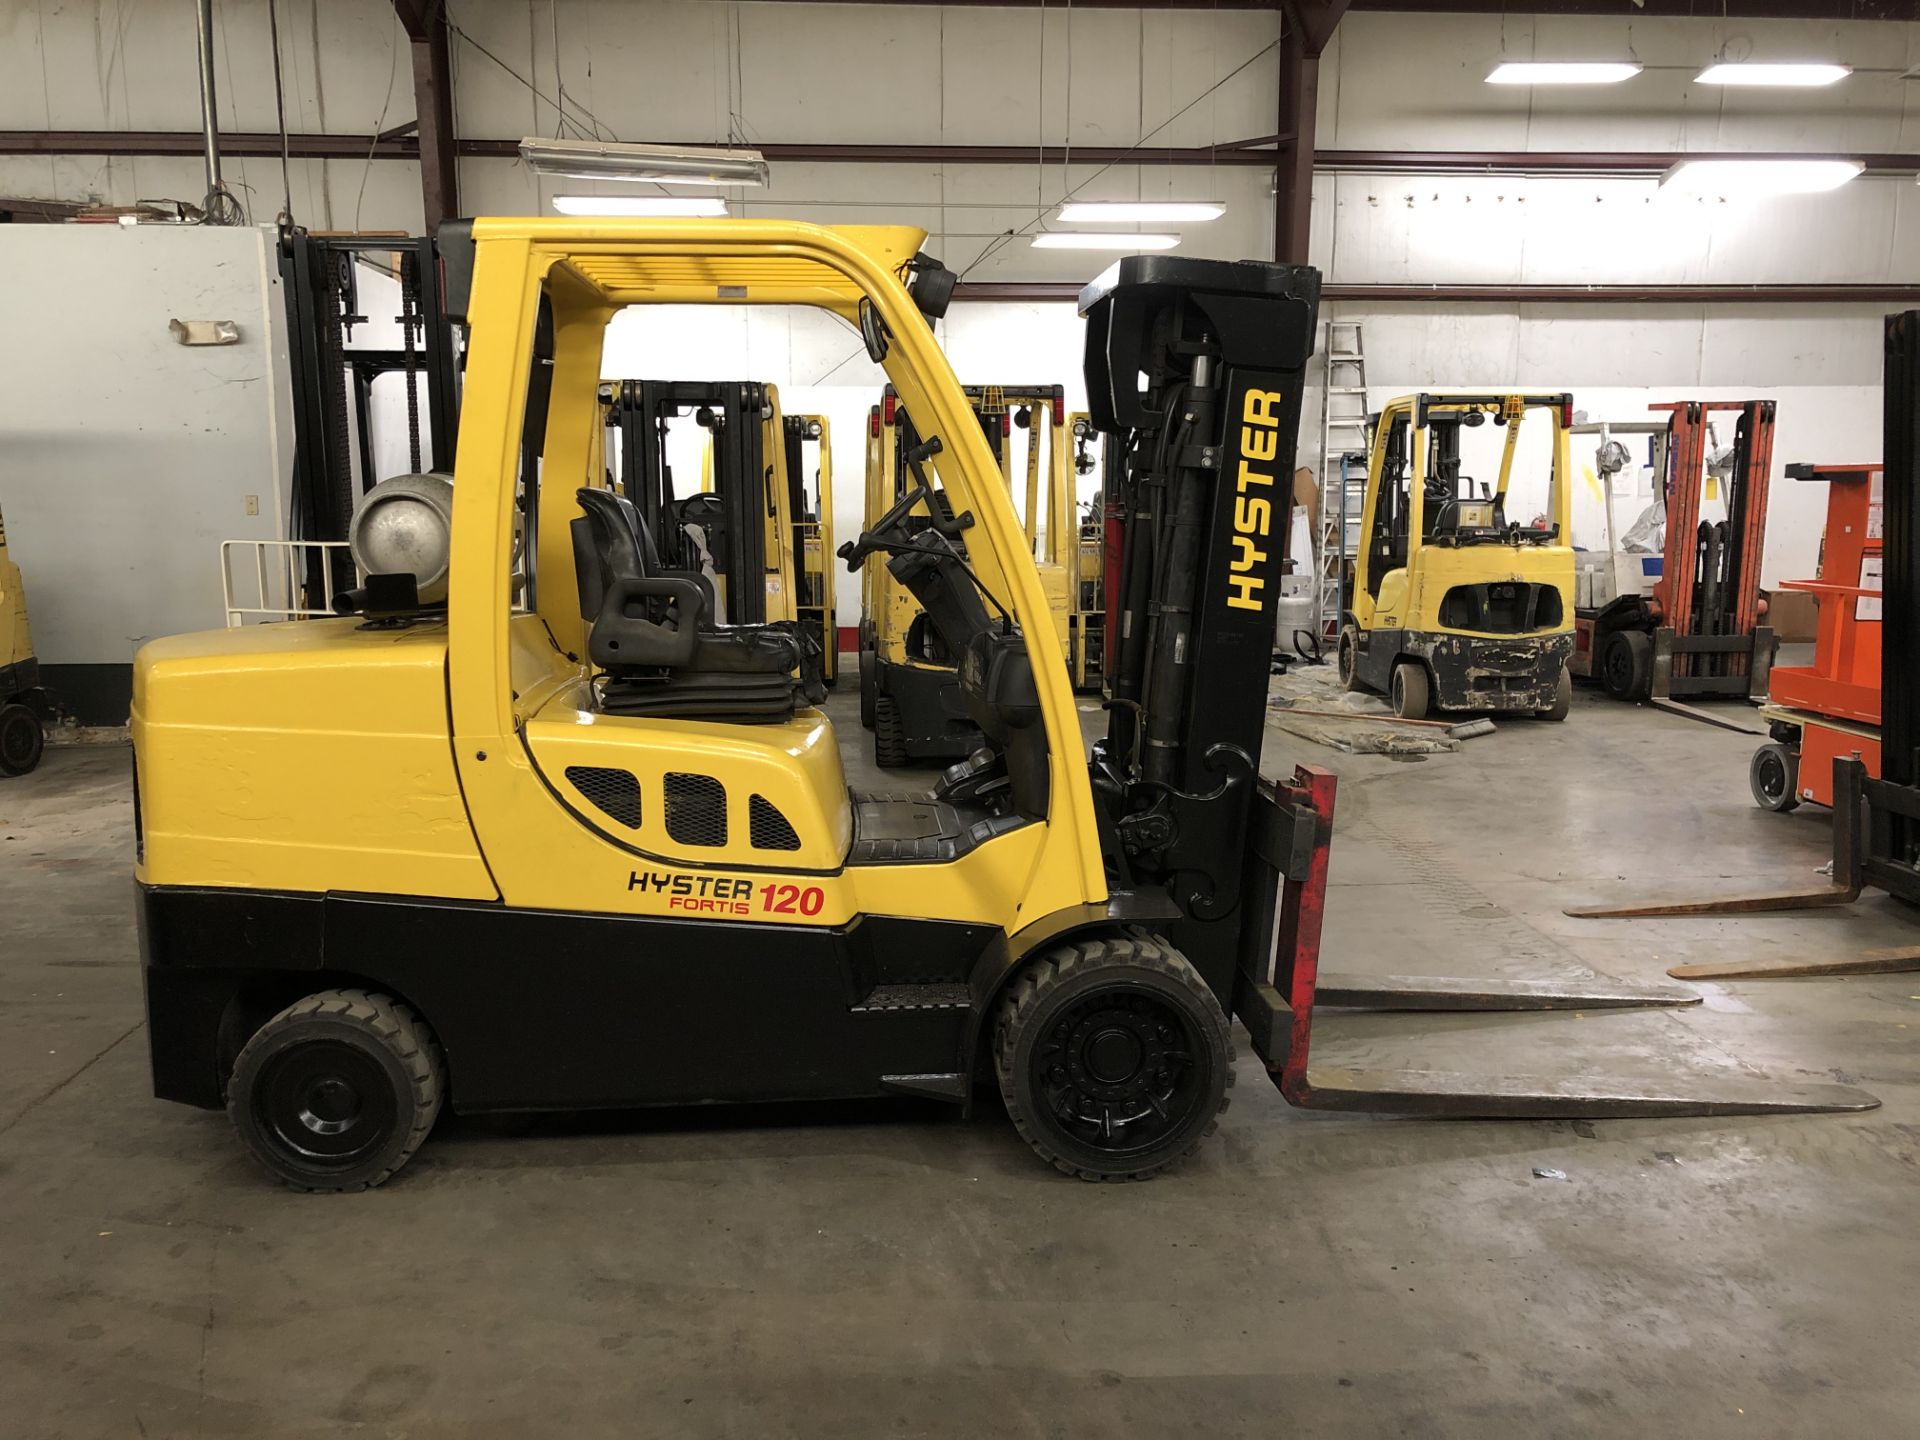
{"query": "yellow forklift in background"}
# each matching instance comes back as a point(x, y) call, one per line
point(561, 841)
point(23, 704)
point(813, 531)
point(1456, 604)
point(1087, 612)
point(739, 527)
point(909, 695)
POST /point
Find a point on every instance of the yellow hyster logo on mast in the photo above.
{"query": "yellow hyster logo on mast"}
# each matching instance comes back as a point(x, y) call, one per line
point(1253, 513)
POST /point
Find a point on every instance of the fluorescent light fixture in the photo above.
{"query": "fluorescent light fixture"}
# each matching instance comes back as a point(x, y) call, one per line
point(1562, 72)
point(678, 207)
point(682, 164)
point(1750, 72)
point(1134, 212)
point(1102, 240)
point(1760, 177)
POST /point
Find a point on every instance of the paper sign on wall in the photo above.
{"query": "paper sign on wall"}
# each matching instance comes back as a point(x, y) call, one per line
point(1876, 507)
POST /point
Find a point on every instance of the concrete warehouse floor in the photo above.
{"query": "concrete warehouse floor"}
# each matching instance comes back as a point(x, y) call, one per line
point(888, 1270)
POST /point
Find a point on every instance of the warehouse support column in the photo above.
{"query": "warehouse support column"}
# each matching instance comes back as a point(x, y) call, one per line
point(1309, 25)
point(426, 26)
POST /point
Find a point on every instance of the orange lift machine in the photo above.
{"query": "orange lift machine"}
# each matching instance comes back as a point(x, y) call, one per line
point(1830, 710)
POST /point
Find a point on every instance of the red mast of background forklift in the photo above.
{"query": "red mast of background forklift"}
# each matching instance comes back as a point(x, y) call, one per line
point(1711, 584)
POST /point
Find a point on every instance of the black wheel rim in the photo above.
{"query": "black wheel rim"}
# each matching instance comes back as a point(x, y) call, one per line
point(1616, 667)
point(18, 736)
point(1771, 775)
point(325, 1104)
point(1121, 1070)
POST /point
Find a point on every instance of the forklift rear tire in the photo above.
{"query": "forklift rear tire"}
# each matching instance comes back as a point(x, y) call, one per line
point(1113, 1057)
point(1348, 661)
point(1410, 690)
point(1562, 698)
point(1626, 665)
point(889, 734)
point(337, 1091)
point(1774, 777)
point(22, 741)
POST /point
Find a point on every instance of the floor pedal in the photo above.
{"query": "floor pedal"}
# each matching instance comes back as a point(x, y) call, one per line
point(940, 996)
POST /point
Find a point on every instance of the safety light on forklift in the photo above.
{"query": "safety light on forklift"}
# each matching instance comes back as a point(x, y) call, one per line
point(1059, 410)
point(683, 164)
point(888, 407)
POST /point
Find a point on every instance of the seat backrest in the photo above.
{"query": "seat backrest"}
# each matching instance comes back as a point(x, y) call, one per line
point(607, 546)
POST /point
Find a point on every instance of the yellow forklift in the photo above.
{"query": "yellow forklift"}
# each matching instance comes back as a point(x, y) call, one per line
point(1456, 604)
point(23, 704)
point(738, 528)
point(1087, 610)
point(910, 696)
point(814, 602)
point(563, 841)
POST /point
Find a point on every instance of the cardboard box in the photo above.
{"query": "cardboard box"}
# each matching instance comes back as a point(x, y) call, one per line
point(1793, 615)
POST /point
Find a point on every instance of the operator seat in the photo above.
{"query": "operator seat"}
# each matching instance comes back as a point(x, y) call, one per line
point(649, 632)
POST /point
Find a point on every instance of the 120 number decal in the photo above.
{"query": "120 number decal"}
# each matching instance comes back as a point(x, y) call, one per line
point(792, 900)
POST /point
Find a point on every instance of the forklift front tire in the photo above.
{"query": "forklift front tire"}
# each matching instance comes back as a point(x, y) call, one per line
point(1410, 690)
point(1562, 697)
point(337, 1091)
point(1626, 665)
point(1774, 777)
point(1113, 1057)
point(22, 741)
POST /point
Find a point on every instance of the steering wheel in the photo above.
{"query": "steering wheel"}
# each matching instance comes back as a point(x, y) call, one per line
point(874, 537)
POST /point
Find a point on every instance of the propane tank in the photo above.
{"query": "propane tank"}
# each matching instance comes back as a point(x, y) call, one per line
point(404, 525)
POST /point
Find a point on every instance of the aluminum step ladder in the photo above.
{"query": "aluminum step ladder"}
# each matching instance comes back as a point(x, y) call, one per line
point(1343, 436)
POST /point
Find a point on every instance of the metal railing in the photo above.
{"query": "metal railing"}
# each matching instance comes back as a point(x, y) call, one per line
point(278, 569)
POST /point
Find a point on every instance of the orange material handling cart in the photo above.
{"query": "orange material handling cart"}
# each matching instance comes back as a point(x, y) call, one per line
point(1831, 708)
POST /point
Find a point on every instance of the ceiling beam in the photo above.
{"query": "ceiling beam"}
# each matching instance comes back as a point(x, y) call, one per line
point(425, 22)
point(1309, 25)
point(397, 146)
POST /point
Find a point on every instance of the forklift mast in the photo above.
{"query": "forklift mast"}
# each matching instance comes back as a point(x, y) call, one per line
point(1197, 365)
point(643, 411)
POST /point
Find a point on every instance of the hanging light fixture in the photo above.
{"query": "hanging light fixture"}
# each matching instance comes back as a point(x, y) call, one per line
point(681, 164)
point(1745, 178)
point(677, 207)
point(1102, 240)
point(1134, 212)
point(1772, 73)
point(1562, 72)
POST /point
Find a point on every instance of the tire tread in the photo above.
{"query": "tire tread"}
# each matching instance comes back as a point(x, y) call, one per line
point(1056, 967)
point(406, 1037)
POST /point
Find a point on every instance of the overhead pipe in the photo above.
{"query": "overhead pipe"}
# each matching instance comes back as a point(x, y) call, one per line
point(218, 206)
point(1257, 151)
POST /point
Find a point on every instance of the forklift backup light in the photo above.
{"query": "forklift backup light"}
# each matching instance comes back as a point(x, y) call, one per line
point(681, 164)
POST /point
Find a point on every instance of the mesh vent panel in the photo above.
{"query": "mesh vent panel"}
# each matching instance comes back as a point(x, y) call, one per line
point(767, 827)
point(615, 793)
point(696, 808)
